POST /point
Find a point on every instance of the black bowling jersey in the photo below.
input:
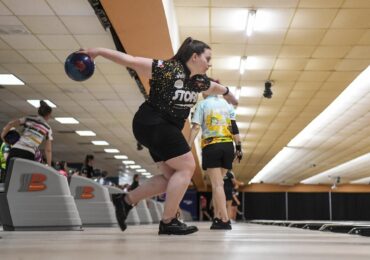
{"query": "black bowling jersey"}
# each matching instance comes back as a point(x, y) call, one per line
point(172, 92)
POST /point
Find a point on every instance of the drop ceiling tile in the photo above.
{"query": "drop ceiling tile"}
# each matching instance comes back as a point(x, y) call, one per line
point(29, 7)
point(267, 37)
point(262, 50)
point(44, 24)
point(71, 7)
point(220, 50)
point(198, 33)
point(50, 68)
point(19, 68)
point(352, 65)
point(268, 19)
point(83, 24)
point(304, 37)
point(321, 64)
point(256, 3)
point(359, 52)
point(352, 18)
point(331, 51)
point(59, 42)
point(10, 20)
point(282, 75)
point(202, 3)
point(95, 40)
point(290, 64)
point(9, 56)
point(23, 42)
point(200, 16)
point(38, 56)
point(342, 37)
point(296, 51)
point(320, 3)
point(4, 10)
point(227, 36)
point(316, 76)
point(313, 18)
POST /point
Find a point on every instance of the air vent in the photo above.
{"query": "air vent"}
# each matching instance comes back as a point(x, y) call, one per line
point(13, 29)
point(110, 158)
point(66, 132)
point(84, 143)
point(99, 152)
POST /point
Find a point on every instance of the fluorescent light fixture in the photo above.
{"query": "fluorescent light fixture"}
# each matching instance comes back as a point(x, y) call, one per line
point(146, 173)
point(251, 91)
point(85, 133)
point(284, 153)
point(141, 170)
point(134, 166)
point(245, 111)
point(36, 103)
point(128, 162)
point(10, 79)
point(365, 180)
point(149, 176)
point(251, 20)
point(242, 65)
point(121, 157)
point(100, 143)
point(66, 120)
point(109, 150)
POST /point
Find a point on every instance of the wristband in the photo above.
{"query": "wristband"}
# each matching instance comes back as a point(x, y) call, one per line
point(227, 91)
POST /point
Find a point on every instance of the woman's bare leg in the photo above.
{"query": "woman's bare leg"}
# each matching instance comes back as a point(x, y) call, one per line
point(216, 177)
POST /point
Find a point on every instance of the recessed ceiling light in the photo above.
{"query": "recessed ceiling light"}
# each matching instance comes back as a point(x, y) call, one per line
point(10, 79)
point(100, 143)
point(111, 150)
point(128, 162)
point(145, 173)
point(85, 133)
point(120, 157)
point(135, 166)
point(141, 170)
point(66, 120)
point(36, 102)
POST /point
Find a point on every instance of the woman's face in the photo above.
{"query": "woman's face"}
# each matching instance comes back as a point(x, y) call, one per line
point(203, 61)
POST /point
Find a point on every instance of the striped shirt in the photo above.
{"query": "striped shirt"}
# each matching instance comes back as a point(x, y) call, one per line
point(36, 129)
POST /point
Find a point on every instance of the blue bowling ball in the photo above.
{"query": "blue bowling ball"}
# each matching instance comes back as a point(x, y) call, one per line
point(79, 66)
point(12, 137)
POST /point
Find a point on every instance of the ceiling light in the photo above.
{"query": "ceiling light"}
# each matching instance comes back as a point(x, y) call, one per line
point(111, 150)
point(10, 79)
point(146, 173)
point(36, 103)
point(251, 20)
point(100, 143)
point(66, 120)
point(122, 157)
point(242, 65)
point(149, 176)
point(85, 133)
point(135, 166)
point(141, 170)
point(128, 162)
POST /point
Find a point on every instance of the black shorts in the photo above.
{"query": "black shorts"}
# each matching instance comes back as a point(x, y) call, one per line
point(163, 139)
point(229, 194)
point(220, 155)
